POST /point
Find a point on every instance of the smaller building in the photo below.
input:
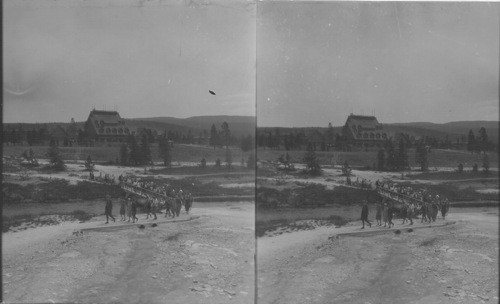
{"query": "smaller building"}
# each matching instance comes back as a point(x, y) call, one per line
point(106, 126)
point(364, 131)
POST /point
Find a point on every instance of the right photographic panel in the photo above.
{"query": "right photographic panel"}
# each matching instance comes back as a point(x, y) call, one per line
point(377, 152)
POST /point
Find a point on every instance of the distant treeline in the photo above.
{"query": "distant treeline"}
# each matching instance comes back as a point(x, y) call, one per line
point(73, 134)
point(331, 138)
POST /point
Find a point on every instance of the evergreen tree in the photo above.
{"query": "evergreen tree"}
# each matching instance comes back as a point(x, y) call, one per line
point(422, 156)
point(30, 157)
point(247, 143)
point(251, 161)
point(482, 140)
point(229, 157)
point(402, 157)
point(214, 136)
point(29, 138)
point(486, 163)
point(286, 143)
point(391, 155)
point(123, 154)
point(270, 140)
point(81, 137)
point(262, 140)
point(471, 142)
point(14, 136)
point(330, 134)
point(381, 160)
point(277, 138)
point(55, 157)
point(89, 166)
point(165, 154)
point(346, 170)
point(145, 154)
point(226, 134)
point(281, 159)
point(311, 161)
point(134, 153)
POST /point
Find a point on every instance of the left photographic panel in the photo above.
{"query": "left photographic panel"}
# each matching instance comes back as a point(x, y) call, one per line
point(128, 151)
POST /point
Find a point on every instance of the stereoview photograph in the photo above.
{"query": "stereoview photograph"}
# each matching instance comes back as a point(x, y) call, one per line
point(377, 141)
point(128, 160)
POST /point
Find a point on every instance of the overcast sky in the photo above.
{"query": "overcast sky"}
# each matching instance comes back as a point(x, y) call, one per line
point(406, 62)
point(143, 58)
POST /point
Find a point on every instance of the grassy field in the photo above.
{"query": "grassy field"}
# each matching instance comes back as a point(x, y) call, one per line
point(194, 153)
point(60, 191)
point(335, 215)
point(313, 195)
point(287, 206)
point(437, 158)
point(209, 170)
point(200, 188)
point(180, 153)
point(32, 220)
point(316, 195)
point(57, 191)
point(455, 192)
point(447, 176)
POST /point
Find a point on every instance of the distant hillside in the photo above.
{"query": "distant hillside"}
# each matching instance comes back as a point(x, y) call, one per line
point(454, 130)
point(239, 125)
point(159, 126)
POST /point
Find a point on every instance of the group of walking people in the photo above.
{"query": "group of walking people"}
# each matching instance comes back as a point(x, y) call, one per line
point(406, 207)
point(128, 208)
point(359, 183)
point(152, 199)
point(150, 188)
point(384, 213)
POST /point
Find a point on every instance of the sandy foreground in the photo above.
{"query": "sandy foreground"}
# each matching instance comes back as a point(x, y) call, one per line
point(209, 259)
point(453, 264)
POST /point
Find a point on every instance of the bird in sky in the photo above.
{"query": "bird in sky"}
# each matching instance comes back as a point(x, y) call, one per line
point(211, 92)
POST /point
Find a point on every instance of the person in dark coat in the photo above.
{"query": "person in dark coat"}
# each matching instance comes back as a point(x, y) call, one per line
point(133, 211)
point(108, 209)
point(123, 203)
point(390, 215)
point(128, 208)
point(378, 215)
point(385, 213)
point(444, 208)
point(364, 215)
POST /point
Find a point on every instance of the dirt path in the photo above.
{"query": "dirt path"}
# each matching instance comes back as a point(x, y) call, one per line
point(206, 260)
point(451, 264)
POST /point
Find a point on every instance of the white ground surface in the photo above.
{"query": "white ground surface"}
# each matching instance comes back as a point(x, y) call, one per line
point(452, 264)
point(206, 260)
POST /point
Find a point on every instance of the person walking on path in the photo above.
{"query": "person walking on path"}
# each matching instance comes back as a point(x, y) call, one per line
point(133, 211)
point(385, 214)
point(108, 209)
point(123, 203)
point(378, 215)
point(364, 215)
point(390, 215)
